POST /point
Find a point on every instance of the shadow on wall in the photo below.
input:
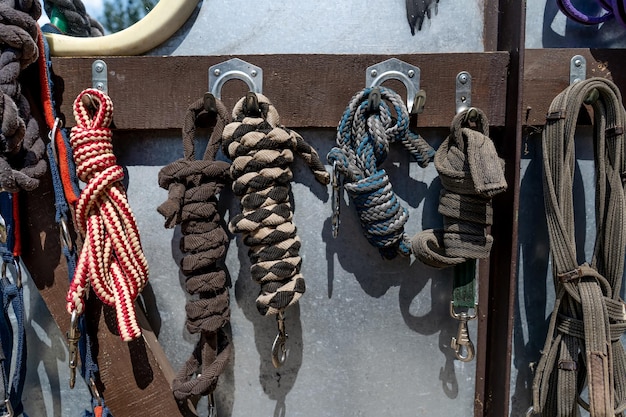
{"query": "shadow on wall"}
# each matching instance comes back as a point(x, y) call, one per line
point(575, 35)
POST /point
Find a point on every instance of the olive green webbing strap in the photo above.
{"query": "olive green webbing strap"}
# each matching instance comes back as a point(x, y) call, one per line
point(583, 342)
point(464, 285)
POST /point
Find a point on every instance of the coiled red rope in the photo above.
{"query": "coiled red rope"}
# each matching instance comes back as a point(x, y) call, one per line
point(111, 260)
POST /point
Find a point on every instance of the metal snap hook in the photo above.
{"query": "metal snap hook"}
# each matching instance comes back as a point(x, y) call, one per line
point(462, 344)
point(336, 200)
point(212, 407)
point(9, 409)
point(279, 347)
point(18, 272)
point(73, 336)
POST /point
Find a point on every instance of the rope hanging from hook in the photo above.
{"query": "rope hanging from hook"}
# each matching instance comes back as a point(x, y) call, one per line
point(471, 174)
point(21, 146)
point(193, 187)
point(71, 18)
point(111, 260)
point(363, 138)
point(262, 152)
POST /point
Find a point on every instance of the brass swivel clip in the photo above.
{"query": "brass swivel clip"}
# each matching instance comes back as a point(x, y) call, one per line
point(8, 409)
point(73, 336)
point(336, 200)
point(279, 347)
point(462, 344)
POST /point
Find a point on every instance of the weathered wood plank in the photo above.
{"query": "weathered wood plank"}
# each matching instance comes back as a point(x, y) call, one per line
point(308, 90)
point(546, 74)
point(135, 376)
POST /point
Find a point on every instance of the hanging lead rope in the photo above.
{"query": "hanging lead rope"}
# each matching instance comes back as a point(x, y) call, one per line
point(71, 18)
point(471, 174)
point(111, 260)
point(583, 340)
point(66, 192)
point(193, 187)
point(417, 11)
point(363, 137)
point(262, 153)
point(21, 147)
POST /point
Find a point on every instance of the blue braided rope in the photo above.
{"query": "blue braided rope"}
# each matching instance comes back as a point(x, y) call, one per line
point(89, 368)
point(363, 139)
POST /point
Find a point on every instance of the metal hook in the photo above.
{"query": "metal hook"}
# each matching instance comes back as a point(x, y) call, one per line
point(66, 239)
point(279, 347)
point(212, 408)
point(58, 124)
point(95, 393)
point(336, 200)
point(73, 336)
point(209, 103)
point(9, 409)
point(394, 69)
point(373, 101)
point(463, 91)
point(462, 344)
point(251, 105)
point(18, 272)
point(235, 69)
point(471, 115)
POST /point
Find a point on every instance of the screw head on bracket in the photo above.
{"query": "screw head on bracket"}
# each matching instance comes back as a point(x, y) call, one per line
point(578, 62)
point(217, 72)
point(463, 78)
point(373, 73)
point(99, 67)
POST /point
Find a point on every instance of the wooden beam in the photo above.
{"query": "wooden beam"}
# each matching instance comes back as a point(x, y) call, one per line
point(134, 376)
point(151, 92)
point(546, 74)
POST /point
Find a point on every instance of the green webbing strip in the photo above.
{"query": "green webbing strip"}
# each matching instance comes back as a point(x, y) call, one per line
point(58, 20)
point(464, 286)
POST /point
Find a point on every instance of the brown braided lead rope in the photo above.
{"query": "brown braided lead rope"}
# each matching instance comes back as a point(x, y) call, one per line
point(471, 174)
point(21, 146)
point(262, 153)
point(583, 341)
point(193, 187)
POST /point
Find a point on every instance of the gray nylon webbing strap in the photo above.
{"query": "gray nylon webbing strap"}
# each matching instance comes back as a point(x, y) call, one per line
point(583, 344)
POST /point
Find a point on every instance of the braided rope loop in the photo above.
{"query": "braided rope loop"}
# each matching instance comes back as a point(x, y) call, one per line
point(363, 139)
point(193, 186)
point(22, 162)
point(112, 259)
point(262, 152)
point(71, 18)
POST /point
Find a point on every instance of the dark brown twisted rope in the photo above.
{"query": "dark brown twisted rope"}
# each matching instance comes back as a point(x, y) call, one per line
point(471, 173)
point(262, 153)
point(21, 146)
point(193, 187)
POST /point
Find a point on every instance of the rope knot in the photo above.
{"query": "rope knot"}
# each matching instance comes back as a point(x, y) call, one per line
point(363, 138)
point(262, 153)
point(111, 259)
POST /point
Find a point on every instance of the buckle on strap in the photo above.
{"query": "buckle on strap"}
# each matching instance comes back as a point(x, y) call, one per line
point(583, 270)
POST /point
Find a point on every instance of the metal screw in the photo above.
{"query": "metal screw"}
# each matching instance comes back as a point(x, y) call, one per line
point(374, 73)
point(217, 72)
point(463, 99)
point(578, 62)
point(253, 73)
point(411, 73)
point(100, 86)
point(99, 67)
point(463, 78)
point(576, 80)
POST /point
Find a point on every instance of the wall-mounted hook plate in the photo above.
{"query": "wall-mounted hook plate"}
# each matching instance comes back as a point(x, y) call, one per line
point(394, 69)
point(99, 78)
point(235, 69)
point(577, 69)
point(463, 91)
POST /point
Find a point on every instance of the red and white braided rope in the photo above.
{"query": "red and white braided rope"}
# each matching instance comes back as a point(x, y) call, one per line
point(111, 259)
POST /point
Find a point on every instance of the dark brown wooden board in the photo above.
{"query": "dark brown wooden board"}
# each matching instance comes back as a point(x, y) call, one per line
point(546, 74)
point(136, 375)
point(151, 92)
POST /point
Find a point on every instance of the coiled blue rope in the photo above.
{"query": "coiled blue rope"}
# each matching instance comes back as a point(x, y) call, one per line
point(363, 137)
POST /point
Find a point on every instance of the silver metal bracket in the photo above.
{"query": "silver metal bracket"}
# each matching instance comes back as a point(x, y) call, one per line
point(394, 69)
point(235, 69)
point(577, 69)
point(463, 91)
point(99, 78)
